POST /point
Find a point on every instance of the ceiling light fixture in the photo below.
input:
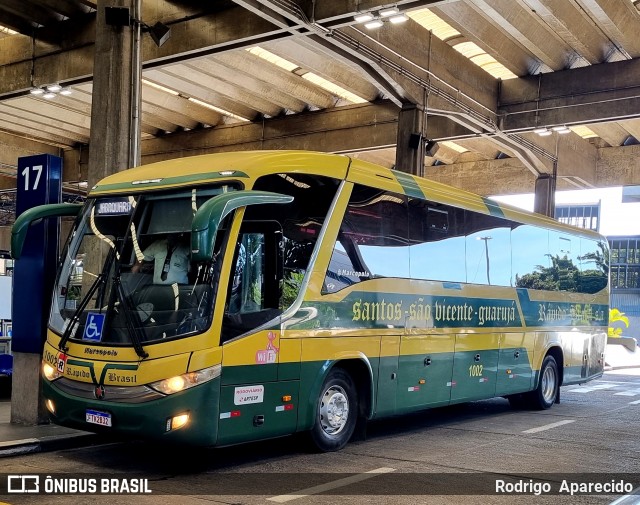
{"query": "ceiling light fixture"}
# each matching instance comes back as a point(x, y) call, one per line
point(373, 20)
point(400, 18)
point(544, 131)
point(363, 18)
point(385, 13)
point(376, 23)
point(50, 91)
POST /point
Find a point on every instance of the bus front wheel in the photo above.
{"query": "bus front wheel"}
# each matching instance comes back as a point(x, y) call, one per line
point(545, 394)
point(336, 412)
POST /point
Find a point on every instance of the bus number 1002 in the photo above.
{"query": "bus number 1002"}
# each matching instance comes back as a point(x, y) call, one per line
point(475, 371)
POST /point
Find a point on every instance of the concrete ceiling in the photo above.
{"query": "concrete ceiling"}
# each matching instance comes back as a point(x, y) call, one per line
point(572, 62)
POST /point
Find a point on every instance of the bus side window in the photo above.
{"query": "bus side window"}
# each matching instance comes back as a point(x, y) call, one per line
point(372, 242)
point(253, 293)
point(437, 241)
point(297, 245)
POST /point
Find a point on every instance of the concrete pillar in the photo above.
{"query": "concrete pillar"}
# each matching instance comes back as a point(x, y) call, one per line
point(410, 140)
point(27, 402)
point(544, 201)
point(115, 108)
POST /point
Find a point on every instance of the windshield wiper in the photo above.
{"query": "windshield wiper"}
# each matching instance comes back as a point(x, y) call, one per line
point(134, 330)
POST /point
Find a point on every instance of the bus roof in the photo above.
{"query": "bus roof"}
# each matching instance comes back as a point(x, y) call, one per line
point(221, 166)
point(250, 165)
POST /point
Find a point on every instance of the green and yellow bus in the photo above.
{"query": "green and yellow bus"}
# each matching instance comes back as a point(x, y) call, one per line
point(318, 290)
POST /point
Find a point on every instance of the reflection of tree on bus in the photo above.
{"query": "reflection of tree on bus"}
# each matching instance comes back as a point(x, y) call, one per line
point(564, 275)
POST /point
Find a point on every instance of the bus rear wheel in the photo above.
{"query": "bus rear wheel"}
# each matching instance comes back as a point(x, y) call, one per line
point(547, 391)
point(336, 412)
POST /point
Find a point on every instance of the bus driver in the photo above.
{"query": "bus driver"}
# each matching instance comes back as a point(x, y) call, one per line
point(170, 257)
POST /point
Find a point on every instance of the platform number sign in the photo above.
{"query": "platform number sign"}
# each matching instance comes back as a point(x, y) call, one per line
point(39, 182)
point(31, 177)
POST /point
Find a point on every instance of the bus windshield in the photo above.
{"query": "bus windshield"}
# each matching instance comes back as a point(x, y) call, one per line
point(127, 275)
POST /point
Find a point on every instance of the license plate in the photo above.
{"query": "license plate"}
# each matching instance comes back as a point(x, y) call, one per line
point(96, 417)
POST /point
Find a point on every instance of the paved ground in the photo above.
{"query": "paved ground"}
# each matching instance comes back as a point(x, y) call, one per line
point(407, 460)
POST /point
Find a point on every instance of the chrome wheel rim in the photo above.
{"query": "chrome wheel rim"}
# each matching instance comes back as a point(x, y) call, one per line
point(334, 410)
point(549, 384)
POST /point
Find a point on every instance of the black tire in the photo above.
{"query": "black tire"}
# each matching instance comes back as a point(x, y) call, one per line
point(336, 412)
point(545, 394)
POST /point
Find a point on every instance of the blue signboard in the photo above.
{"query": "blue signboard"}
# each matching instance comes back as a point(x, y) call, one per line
point(39, 182)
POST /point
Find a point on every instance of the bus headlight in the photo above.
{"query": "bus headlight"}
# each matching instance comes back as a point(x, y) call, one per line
point(186, 381)
point(49, 371)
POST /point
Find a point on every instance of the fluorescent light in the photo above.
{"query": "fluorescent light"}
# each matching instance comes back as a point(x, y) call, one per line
point(561, 129)
point(36, 91)
point(8, 31)
point(545, 133)
point(217, 109)
point(452, 145)
point(485, 61)
point(400, 18)
point(49, 95)
point(539, 130)
point(431, 22)
point(333, 88)
point(65, 91)
point(583, 131)
point(363, 18)
point(376, 23)
point(161, 88)
point(273, 58)
point(385, 13)
point(54, 88)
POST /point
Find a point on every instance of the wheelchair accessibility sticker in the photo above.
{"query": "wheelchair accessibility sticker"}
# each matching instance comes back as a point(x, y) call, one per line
point(93, 327)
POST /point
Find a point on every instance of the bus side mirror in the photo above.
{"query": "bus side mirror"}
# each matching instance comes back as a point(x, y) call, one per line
point(209, 216)
point(30, 216)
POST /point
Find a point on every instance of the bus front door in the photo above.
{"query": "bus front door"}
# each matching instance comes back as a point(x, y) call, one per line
point(254, 404)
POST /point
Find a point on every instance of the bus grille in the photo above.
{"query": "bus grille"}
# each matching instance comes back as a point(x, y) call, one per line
point(122, 394)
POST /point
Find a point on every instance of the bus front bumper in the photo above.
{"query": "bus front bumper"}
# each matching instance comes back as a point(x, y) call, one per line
point(156, 419)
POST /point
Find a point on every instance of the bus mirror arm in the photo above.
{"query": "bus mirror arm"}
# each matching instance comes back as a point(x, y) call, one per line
point(210, 214)
point(31, 216)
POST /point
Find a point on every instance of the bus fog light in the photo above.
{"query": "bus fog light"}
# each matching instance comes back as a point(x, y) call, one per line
point(177, 422)
point(50, 406)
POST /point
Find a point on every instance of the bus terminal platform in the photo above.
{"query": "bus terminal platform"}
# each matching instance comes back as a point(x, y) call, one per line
point(19, 439)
